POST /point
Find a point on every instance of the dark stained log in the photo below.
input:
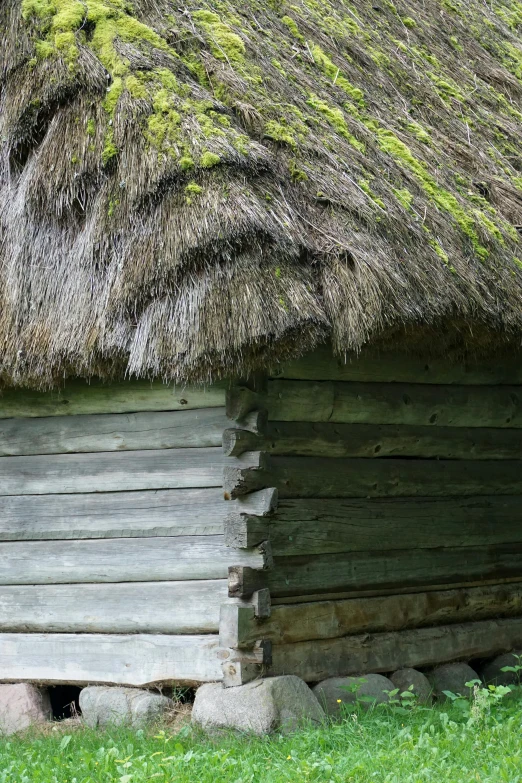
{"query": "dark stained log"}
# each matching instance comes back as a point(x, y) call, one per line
point(394, 403)
point(315, 660)
point(319, 526)
point(318, 439)
point(243, 581)
point(245, 475)
point(261, 603)
point(321, 477)
point(236, 626)
point(292, 623)
point(302, 575)
point(242, 401)
point(385, 366)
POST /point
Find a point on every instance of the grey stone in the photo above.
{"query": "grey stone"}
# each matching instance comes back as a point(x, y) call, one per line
point(102, 706)
point(261, 706)
point(368, 690)
point(21, 706)
point(452, 677)
point(404, 679)
point(492, 672)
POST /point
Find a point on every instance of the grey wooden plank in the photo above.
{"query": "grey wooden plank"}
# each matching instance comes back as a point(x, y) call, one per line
point(395, 403)
point(319, 526)
point(293, 623)
point(170, 512)
point(321, 477)
point(198, 428)
point(111, 471)
point(126, 607)
point(319, 439)
point(115, 659)
point(303, 574)
point(80, 397)
point(386, 652)
point(121, 560)
point(387, 366)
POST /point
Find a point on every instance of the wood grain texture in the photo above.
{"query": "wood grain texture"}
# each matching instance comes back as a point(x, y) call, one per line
point(128, 607)
point(79, 398)
point(402, 368)
point(318, 439)
point(321, 477)
point(394, 403)
point(315, 660)
point(170, 512)
point(289, 624)
point(400, 568)
point(121, 560)
point(111, 472)
point(89, 659)
point(319, 526)
point(112, 432)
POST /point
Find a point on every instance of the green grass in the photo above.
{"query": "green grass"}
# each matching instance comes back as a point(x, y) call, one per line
point(447, 744)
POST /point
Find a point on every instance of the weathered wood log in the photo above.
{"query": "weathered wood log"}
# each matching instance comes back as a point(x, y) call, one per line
point(302, 575)
point(318, 439)
point(242, 401)
point(386, 366)
point(247, 665)
point(394, 403)
point(245, 475)
point(261, 603)
point(121, 560)
point(200, 428)
point(80, 397)
point(245, 580)
point(242, 531)
point(306, 477)
point(320, 526)
point(127, 607)
point(236, 624)
point(258, 504)
point(292, 623)
point(315, 660)
point(111, 472)
point(170, 512)
point(116, 659)
point(254, 423)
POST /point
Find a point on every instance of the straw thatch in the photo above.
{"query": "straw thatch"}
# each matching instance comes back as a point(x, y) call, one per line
point(194, 190)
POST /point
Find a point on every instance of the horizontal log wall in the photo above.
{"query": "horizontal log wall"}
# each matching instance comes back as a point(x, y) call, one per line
point(397, 478)
point(112, 523)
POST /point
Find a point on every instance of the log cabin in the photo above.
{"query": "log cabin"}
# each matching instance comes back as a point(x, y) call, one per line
point(261, 327)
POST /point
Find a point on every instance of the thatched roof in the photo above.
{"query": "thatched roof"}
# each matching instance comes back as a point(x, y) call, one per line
point(186, 190)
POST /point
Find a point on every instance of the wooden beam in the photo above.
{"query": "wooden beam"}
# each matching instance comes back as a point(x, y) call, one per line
point(242, 401)
point(236, 624)
point(245, 475)
point(111, 472)
point(302, 575)
point(386, 366)
point(394, 403)
point(329, 525)
point(88, 659)
point(261, 503)
point(254, 422)
point(318, 439)
point(245, 580)
point(121, 560)
point(200, 428)
point(242, 531)
point(315, 660)
point(127, 607)
point(170, 512)
point(80, 397)
point(293, 623)
point(306, 477)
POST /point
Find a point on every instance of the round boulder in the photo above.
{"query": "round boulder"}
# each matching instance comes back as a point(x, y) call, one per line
point(452, 677)
point(492, 673)
point(366, 690)
point(412, 681)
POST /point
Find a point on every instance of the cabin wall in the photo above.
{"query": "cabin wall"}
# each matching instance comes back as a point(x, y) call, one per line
point(396, 535)
point(113, 566)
